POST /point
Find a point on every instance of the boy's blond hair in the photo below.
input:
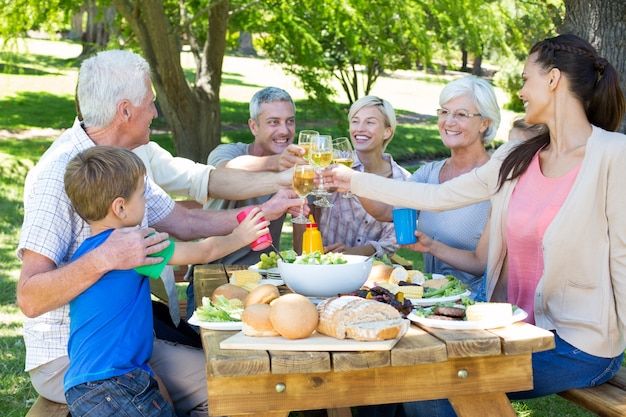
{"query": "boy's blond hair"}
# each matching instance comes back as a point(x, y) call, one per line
point(99, 175)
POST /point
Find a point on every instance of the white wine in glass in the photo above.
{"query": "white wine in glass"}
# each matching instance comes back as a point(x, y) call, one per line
point(320, 159)
point(320, 156)
point(304, 141)
point(343, 153)
point(303, 183)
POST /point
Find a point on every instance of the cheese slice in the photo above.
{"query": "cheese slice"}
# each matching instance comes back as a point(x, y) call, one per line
point(240, 278)
point(488, 311)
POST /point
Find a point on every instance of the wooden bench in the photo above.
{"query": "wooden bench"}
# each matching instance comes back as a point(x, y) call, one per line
point(606, 400)
point(47, 408)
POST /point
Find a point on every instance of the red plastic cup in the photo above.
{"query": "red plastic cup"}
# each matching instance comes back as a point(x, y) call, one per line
point(262, 242)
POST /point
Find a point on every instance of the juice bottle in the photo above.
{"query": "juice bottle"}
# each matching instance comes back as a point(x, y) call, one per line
point(312, 238)
point(263, 241)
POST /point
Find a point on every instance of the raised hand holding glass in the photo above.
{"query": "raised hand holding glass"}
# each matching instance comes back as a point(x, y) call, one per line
point(343, 153)
point(303, 184)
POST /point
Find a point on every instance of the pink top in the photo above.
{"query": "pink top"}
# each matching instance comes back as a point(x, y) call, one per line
point(535, 201)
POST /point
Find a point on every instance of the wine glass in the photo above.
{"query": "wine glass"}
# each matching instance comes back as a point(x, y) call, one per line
point(320, 156)
point(343, 154)
point(303, 184)
point(304, 141)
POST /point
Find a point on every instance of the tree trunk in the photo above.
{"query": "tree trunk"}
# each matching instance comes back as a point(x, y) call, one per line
point(246, 46)
point(477, 66)
point(192, 113)
point(99, 27)
point(76, 31)
point(464, 60)
point(603, 24)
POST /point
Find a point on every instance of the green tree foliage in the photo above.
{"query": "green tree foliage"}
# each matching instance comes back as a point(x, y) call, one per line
point(19, 16)
point(526, 22)
point(353, 41)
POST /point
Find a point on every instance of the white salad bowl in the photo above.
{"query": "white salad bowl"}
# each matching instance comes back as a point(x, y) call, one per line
point(326, 280)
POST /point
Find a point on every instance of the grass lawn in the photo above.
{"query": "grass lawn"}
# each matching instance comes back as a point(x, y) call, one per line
point(36, 94)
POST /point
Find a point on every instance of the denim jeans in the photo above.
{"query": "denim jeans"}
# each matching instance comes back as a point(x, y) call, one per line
point(134, 394)
point(562, 368)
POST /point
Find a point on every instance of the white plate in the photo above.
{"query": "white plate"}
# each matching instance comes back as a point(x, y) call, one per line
point(425, 302)
point(215, 325)
point(272, 280)
point(519, 315)
point(264, 271)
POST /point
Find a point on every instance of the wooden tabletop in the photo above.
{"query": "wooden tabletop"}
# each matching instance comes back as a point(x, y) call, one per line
point(472, 368)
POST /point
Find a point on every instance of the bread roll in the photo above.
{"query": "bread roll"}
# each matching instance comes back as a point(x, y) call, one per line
point(293, 316)
point(229, 291)
point(379, 273)
point(337, 314)
point(256, 321)
point(263, 294)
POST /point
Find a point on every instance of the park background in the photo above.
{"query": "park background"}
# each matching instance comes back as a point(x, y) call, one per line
point(38, 77)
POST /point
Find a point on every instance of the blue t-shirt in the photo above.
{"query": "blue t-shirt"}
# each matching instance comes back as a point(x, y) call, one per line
point(110, 324)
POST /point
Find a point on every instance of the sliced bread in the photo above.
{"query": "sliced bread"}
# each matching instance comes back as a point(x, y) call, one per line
point(378, 330)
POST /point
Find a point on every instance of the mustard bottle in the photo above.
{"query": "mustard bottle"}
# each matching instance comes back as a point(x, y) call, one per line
point(312, 238)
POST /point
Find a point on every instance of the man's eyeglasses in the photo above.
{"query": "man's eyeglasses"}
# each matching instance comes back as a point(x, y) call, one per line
point(460, 116)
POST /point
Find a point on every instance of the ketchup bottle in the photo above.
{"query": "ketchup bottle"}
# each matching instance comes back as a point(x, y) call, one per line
point(312, 238)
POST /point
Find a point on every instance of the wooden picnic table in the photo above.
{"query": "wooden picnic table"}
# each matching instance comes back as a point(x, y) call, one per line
point(472, 368)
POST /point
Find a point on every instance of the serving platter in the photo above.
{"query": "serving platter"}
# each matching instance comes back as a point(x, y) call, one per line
point(215, 325)
point(518, 315)
point(315, 342)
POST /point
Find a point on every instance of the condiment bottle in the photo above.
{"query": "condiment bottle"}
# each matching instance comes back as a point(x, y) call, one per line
point(263, 241)
point(312, 238)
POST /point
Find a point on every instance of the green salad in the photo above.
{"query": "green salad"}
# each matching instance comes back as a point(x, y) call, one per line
point(222, 310)
point(317, 258)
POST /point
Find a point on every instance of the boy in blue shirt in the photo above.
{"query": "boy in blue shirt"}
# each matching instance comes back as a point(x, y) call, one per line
point(111, 334)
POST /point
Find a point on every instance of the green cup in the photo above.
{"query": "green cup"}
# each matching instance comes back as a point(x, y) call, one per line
point(154, 271)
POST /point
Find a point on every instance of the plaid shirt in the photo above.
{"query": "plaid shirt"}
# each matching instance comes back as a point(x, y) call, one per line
point(53, 229)
point(348, 222)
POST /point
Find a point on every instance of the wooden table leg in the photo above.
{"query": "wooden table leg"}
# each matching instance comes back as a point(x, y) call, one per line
point(339, 412)
point(498, 405)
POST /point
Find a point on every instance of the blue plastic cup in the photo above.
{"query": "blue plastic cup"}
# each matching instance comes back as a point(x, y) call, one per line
point(405, 223)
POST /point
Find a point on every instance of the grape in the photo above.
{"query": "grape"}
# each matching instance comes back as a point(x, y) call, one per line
point(268, 261)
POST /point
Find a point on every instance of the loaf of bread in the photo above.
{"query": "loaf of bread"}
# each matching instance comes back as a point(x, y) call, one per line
point(488, 311)
point(361, 319)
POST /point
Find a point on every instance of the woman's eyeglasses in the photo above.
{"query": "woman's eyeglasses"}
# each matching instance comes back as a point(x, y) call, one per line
point(460, 116)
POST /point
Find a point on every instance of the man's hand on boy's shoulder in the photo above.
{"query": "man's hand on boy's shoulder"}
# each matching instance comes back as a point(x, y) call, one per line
point(130, 247)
